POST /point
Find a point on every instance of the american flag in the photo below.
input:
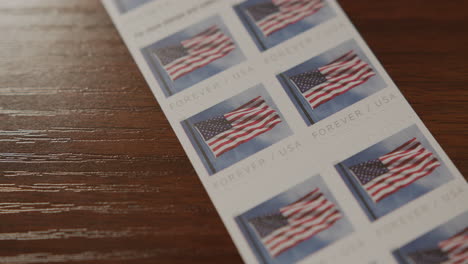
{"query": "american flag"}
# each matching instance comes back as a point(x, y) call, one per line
point(327, 82)
point(453, 250)
point(227, 131)
point(456, 248)
point(395, 170)
point(296, 222)
point(195, 52)
point(274, 15)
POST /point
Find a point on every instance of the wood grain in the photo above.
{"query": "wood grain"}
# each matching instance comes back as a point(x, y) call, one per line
point(90, 170)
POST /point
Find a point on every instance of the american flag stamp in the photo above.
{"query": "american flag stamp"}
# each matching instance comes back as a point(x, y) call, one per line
point(295, 224)
point(446, 244)
point(236, 128)
point(393, 172)
point(192, 55)
point(271, 22)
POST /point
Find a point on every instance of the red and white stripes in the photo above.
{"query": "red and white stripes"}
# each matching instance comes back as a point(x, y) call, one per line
point(308, 216)
point(202, 49)
point(248, 121)
point(290, 12)
point(456, 248)
point(342, 75)
point(406, 164)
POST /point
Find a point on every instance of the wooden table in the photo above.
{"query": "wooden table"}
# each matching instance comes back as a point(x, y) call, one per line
point(90, 170)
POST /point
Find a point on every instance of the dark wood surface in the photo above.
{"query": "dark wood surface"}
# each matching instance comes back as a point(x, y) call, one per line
point(90, 170)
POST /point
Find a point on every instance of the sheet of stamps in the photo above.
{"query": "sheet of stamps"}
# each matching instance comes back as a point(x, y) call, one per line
point(306, 147)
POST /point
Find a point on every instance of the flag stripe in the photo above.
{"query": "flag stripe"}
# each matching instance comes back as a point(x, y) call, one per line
point(308, 231)
point(456, 247)
point(396, 185)
point(305, 212)
point(299, 208)
point(304, 198)
point(339, 76)
point(240, 114)
point(296, 227)
point(339, 66)
point(237, 142)
point(306, 217)
point(402, 147)
point(249, 119)
point(335, 93)
point(195, 62)
point(334, 79)
point(246, 122)
point(200, 37)
point(343, 58)
point(334, 89)
point(409, 161)
point(406, 174)
point(287, 17)
point(218, 44)
point(245, 131)
point(311, 197)
point(405, 164)
point(201, 50)
point(290, 12)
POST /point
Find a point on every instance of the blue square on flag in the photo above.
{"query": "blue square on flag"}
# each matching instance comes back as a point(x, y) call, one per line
point(265, 225)
point(369, 170)
point(308, 80)
point(213, 126)
point(260, 11)
point(169, 54)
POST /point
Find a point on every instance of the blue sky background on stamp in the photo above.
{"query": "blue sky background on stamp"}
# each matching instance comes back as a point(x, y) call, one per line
point(247, 149)
point(407, 194)
point(373, 85)
point(233, 58)
point(438, 234)
point(339, 230)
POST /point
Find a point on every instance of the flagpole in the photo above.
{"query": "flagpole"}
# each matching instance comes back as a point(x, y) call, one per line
point(200, 147)
point(298, 100)
point(252, 239)
point(357, 191)
point(158, 73)
point(400, 257)
point(251, 28)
